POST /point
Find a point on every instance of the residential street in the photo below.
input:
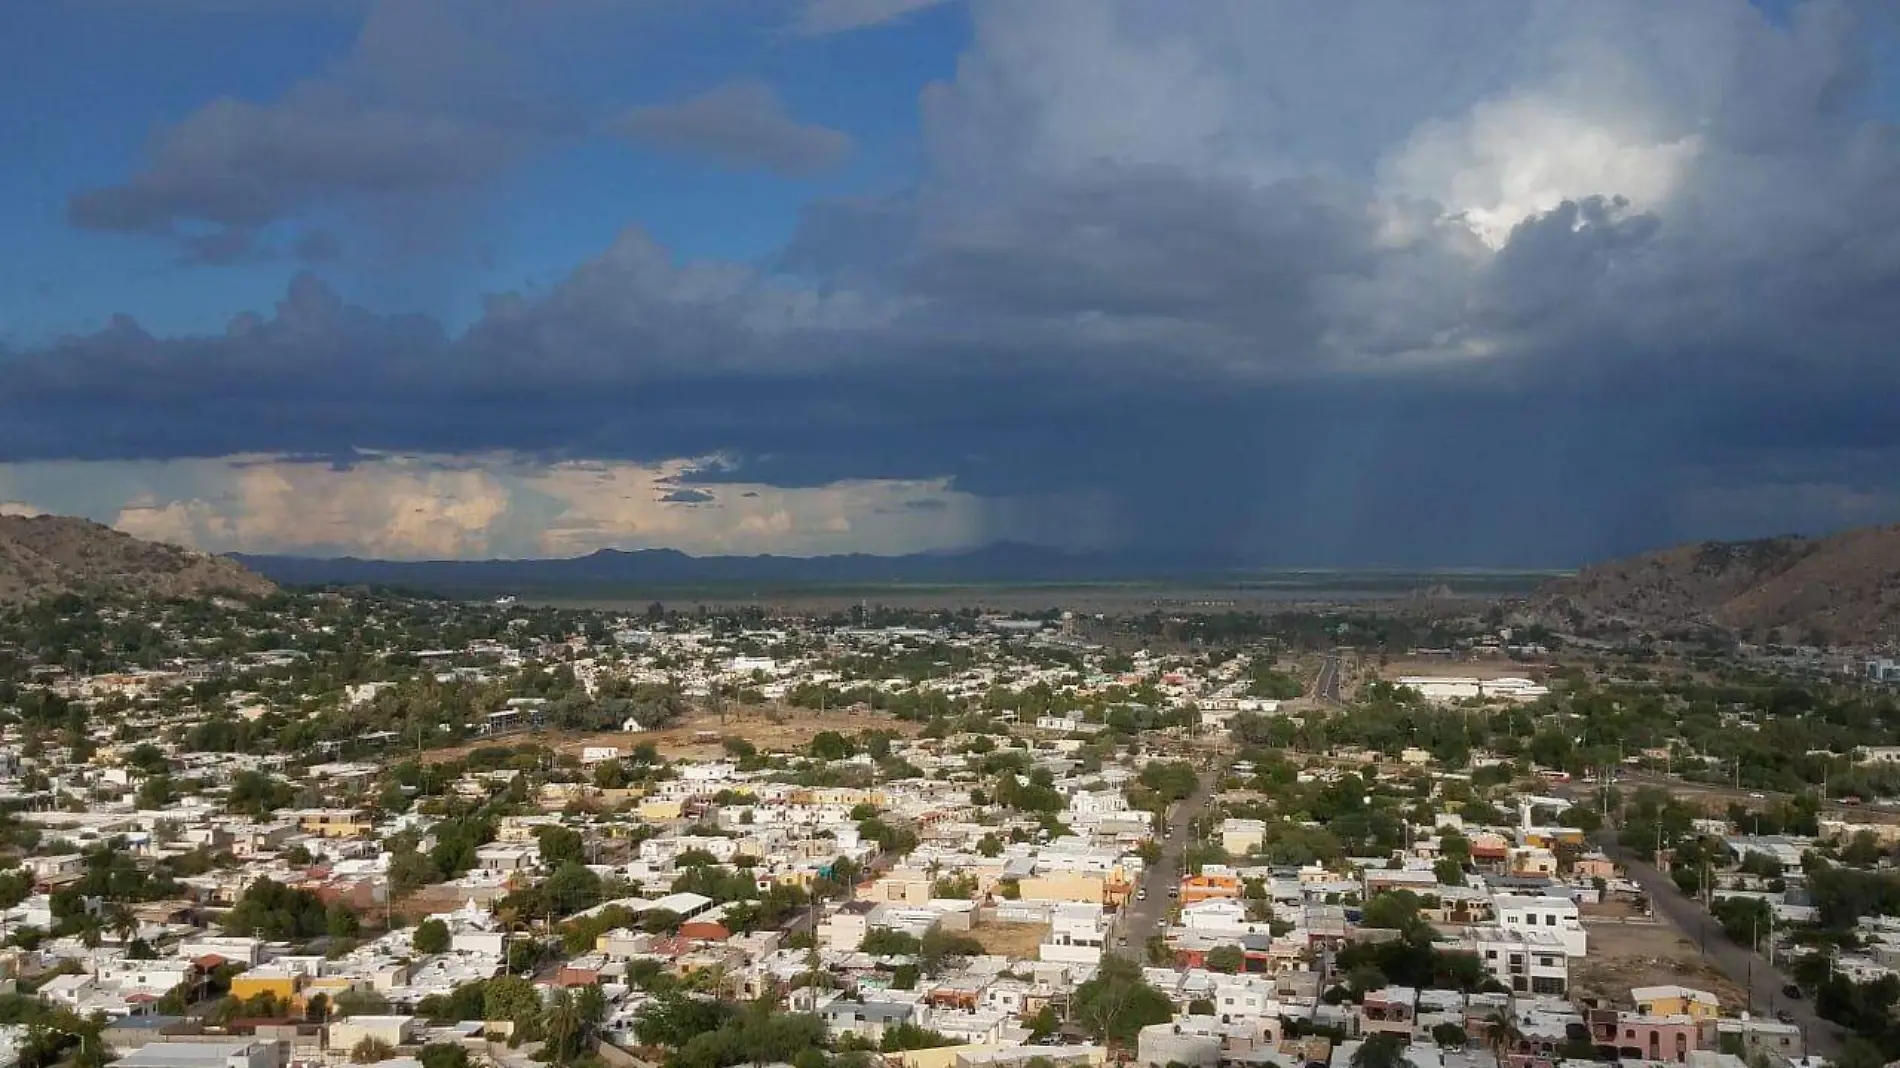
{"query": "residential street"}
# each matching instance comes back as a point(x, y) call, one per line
point(1140, 920)
point(1737, 962)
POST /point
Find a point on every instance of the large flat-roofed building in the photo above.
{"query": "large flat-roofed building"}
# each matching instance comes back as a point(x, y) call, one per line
point(222, 1054)
point(1459, 687)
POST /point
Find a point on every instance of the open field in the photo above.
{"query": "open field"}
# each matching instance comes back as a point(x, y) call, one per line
point(770, 727)
point(1258, 592)
point(1645, 953)
point(1010, 939)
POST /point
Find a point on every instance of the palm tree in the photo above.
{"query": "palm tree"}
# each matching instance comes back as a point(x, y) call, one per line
point(124, 924)
point(591, 1006)
point(572, 1021)
point(1501, 1033)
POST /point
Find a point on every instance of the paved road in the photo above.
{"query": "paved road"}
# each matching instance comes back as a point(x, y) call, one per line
point(1326, 683)
point(1141, 919)
point(1745, 967)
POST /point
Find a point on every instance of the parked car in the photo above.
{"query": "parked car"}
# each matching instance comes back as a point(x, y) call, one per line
point(1791, 991)
point(1141, 894)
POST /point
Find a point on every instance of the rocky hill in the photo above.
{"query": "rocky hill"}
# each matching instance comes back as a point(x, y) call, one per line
point(45, 556)
point(1841, 589)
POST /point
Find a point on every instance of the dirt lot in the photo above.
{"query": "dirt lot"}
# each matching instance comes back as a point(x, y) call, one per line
point(1632, 954)
point(1010, 939)
point(698, 734)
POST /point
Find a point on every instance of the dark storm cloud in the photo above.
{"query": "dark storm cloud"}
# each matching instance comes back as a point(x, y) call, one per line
point(425, 103)
point(740, 125)
point(687, 496)
point(1572, 320)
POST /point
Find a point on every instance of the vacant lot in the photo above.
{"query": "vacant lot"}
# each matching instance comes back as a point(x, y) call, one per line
point(1631, 954)
point(697, 735)
point(1013, 940)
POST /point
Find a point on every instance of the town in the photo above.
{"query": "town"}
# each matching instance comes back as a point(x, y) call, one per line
point(340, 827)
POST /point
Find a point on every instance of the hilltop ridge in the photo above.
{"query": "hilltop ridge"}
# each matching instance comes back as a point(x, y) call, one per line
point(1843, 588)
point(46, 556)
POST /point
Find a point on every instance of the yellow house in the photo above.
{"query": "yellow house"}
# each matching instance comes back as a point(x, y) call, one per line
point(838, 795)
point(333, 822)
point(1533, 861)
point(799, 877)
point(1676, 1001)
point(661, 809)
point(282, 985)
point(1548, 837)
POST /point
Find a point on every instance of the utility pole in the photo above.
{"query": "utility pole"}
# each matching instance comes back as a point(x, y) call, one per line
point(1754, 947)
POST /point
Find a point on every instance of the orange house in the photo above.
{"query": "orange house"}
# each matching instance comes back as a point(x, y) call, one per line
point(1208, 887)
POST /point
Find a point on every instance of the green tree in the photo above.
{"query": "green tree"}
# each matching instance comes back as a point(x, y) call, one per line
point(1382, 1049)
point(431, 936)
point(270, 909)
point(560, 845)
point(359, 1002)
point(339, 921)
point(443, 1055)
point(410, 871)
point(890, 942)
point(1228, 959)
point(570, 889)
point(512, 998)
point(1117, 1003)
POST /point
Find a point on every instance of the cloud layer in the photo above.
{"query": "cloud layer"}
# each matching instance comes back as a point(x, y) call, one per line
point(490, 506)
point(741, 125)
point(1356, 282)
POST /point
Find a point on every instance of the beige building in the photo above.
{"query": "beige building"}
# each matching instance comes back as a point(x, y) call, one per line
point(393, 1031)
point(1065, 886)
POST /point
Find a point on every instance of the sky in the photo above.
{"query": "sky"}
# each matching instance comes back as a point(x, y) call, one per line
point(1370, 282)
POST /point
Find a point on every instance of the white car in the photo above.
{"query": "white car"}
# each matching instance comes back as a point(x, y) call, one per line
point(1141, 894)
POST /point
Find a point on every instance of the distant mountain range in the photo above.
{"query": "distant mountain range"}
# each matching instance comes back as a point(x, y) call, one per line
point(46, 556)
point(1840, 589)
point(615, 569)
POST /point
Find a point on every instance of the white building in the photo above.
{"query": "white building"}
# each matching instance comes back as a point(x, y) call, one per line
point(1093, 804)
point(1549, 915)
point(1077, 932)
point(1527, 960)
point(1460, 687)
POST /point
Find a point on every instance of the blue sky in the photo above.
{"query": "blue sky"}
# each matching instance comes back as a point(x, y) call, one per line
point(1546, 281)
point(95, 80)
